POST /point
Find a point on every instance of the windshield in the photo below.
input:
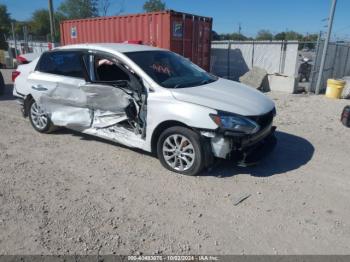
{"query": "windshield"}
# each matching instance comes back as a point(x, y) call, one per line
point(171, 70)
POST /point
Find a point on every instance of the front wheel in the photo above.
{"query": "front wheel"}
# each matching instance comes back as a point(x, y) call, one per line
point(39, 119)
point(179, 150)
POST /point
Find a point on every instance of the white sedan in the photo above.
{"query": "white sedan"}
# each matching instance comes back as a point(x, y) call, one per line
point(147, 98)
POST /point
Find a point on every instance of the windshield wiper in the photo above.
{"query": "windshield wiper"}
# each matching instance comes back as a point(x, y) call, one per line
point(205, 81)
point(187, 84)
point(179, 85)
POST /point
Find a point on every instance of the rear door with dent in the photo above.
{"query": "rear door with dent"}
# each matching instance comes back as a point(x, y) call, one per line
point(56, 85)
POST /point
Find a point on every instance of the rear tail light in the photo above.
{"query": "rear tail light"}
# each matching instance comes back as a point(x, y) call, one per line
point(137, 42)
point(15, 74)
point(21, 60)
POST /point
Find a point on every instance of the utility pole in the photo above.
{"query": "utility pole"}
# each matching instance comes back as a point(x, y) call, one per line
point(239, 31)
point(325, 47)
point(14, 37)
point(52, 25)
point(25, 38)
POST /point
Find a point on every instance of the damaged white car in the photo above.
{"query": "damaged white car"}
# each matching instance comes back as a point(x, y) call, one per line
point(147, 98)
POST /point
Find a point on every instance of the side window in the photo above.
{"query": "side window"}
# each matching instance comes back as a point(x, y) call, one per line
point(66, 63)
point(107, 70)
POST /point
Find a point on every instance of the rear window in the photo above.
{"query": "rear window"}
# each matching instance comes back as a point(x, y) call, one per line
point(62, 63)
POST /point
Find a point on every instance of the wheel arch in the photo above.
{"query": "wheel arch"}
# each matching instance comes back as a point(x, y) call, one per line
point(205, 143)
point(26, 104)
point(159, 130)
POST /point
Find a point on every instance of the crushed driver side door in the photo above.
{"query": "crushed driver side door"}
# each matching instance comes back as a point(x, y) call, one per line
point(111, 98)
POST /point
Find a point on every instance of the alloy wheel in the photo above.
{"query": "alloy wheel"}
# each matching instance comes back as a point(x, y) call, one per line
point(178, 152)
point(38, 116)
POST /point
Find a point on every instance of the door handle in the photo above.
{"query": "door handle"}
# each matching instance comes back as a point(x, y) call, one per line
point(39, 88)
point(92, 95)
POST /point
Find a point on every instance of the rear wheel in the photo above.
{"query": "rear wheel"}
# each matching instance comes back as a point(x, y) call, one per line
point(179, 150)
point(39, 119)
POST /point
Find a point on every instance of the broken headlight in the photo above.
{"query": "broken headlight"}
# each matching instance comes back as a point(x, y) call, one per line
point(235, 123)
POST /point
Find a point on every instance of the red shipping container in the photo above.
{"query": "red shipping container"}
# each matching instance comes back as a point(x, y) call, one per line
point(186, 34)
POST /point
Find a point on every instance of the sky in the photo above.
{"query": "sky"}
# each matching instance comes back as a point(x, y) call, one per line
point(304, 16)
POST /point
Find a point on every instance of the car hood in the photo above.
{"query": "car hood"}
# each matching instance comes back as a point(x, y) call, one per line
point(226, 95)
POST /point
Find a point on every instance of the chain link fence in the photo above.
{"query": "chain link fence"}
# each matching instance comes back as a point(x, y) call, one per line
point(337, 64)
point(232, 59)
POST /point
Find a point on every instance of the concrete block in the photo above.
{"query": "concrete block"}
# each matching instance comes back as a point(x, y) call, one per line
point(287, 84)
point(256, 78)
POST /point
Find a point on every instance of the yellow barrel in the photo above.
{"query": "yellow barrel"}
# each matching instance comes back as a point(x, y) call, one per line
point(335, 88)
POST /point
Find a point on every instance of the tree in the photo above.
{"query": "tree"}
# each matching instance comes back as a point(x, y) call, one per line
point(19, 27)
point(104, 6)
point(214, 36)
point(292, 35)
point(74, 9)
point(153, 6)
point(280, 36)
point(5, 25)
point(289, 35)
point(311, 40)
point(40, 22)
point(233, 36)
point(264, 35)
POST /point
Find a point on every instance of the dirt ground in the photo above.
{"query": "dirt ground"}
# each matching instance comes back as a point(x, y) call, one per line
point(67, 193)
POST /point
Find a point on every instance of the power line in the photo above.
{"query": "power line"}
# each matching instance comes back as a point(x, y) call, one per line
point(343, 28)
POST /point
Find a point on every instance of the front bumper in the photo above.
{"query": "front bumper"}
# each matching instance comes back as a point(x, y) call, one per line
point(256, 149)
point(246, 141)
point(241, 147)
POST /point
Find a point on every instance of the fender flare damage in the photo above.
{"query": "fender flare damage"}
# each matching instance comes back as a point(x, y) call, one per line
point(25, 106)
point(206, 143)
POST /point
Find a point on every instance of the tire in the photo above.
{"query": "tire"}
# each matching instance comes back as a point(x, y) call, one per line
point(38, 122)
point(180, 150)
point(2, 85)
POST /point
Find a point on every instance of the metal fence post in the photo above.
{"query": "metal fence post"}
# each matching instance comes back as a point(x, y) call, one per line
point(346, 61)
point(314, 68)
point(14, 42)
point(14, 37)
point(335, 59)
point(228, 60)
point(253, 54)
point(282, 64)
point(325, 48)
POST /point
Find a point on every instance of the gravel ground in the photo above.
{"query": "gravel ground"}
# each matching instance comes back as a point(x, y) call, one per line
point(67, 193)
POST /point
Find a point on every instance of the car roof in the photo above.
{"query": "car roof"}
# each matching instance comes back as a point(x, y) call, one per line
point(113, 47)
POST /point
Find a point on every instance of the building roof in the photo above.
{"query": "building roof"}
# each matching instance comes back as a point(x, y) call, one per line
point(122, 48)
